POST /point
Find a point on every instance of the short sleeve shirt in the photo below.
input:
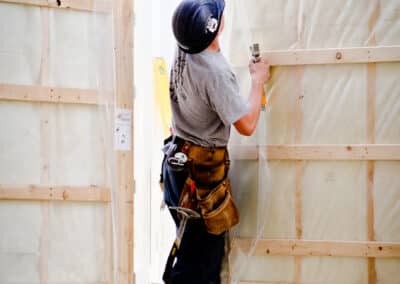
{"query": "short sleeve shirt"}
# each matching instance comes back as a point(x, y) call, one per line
point(205, 98)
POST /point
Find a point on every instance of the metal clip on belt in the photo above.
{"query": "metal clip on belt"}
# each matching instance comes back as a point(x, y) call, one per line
point(178, 160)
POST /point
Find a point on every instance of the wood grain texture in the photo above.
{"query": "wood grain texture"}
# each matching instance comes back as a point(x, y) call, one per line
point(45, 94)
point(123, 47)
point(44, 148)
point(352, 152)
point(55, 193)
point(371, 117)
point(333, 56)
point(319, 248)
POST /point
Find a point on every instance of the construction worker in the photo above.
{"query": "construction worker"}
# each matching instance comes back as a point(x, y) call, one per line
point(205, 102)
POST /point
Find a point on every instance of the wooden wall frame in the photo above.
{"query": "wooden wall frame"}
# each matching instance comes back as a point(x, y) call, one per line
point(301, 153)
point(122, 11)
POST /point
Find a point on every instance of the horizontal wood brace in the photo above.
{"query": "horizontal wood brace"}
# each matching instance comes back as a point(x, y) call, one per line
point(318, 248)
point(389, 152)
point(55, 193)
point(80, 5)
point(45, 94)
point(331, 56)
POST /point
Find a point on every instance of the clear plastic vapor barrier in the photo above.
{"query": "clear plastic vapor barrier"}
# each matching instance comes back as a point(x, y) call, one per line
point(320, 179)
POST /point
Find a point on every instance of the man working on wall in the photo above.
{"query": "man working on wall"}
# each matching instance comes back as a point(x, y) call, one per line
point(205, 101)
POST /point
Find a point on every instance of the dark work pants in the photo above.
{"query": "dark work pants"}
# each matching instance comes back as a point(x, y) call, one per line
point(200, 254)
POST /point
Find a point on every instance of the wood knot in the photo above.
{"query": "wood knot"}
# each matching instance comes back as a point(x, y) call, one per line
point(349, 148)
point(65, 195)
point(338, 55)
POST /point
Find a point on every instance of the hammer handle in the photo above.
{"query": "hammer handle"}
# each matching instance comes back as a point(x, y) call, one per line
point(257, 57)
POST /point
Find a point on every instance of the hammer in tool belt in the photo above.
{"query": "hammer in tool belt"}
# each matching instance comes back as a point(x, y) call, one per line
point(256, 56)
point(185, 214)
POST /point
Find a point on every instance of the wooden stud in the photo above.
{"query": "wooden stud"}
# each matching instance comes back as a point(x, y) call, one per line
point(298, 126)
point(320, 248)
point(55, 193)
point(357, 152)
point(43, 94)
point(371, 116)
point(370, 218)
point(330, 56)
point(44, 244)
point(371, 102)
point(108, 244)
point(298, 122)
point(298, 110)
point(123, 46)
point(298, 216)
point(44, 149)
point(333, 55)
point(108, 223)
point(44, 61)
point(80, 5)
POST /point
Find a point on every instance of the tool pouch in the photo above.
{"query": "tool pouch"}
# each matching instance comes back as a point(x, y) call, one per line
point(217, 208)
point(207, 189)
point(208, 166)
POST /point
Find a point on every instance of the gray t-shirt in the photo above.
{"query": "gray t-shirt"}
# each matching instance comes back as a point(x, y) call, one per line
point(205, 98)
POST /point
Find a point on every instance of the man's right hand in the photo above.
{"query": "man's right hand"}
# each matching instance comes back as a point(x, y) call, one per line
point(259, 71)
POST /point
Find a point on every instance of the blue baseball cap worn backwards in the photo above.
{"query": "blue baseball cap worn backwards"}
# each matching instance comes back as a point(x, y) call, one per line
point(196, 23)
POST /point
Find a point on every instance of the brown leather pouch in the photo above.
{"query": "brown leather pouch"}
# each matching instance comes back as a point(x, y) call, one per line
point(217, 208)
point(208, 165)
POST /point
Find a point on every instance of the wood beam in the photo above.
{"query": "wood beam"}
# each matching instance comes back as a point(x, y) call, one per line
point(355, 152)
point(319, 248)
point(298, 139)
point(44, 94)
point(55, 193)
point(80, 5)
point(45, 130)
point(371, 117)
point(123, 46)
point(333, 55)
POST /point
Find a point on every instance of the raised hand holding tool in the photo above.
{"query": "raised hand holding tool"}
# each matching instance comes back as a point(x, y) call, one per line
point(256, 56)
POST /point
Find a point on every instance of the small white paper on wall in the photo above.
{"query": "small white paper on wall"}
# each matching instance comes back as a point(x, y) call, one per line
point(123, 130)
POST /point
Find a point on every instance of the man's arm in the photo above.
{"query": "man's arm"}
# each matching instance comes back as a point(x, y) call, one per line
point(259, 75)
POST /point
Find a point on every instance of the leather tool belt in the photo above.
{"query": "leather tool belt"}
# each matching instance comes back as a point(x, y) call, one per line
point(207, 188)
